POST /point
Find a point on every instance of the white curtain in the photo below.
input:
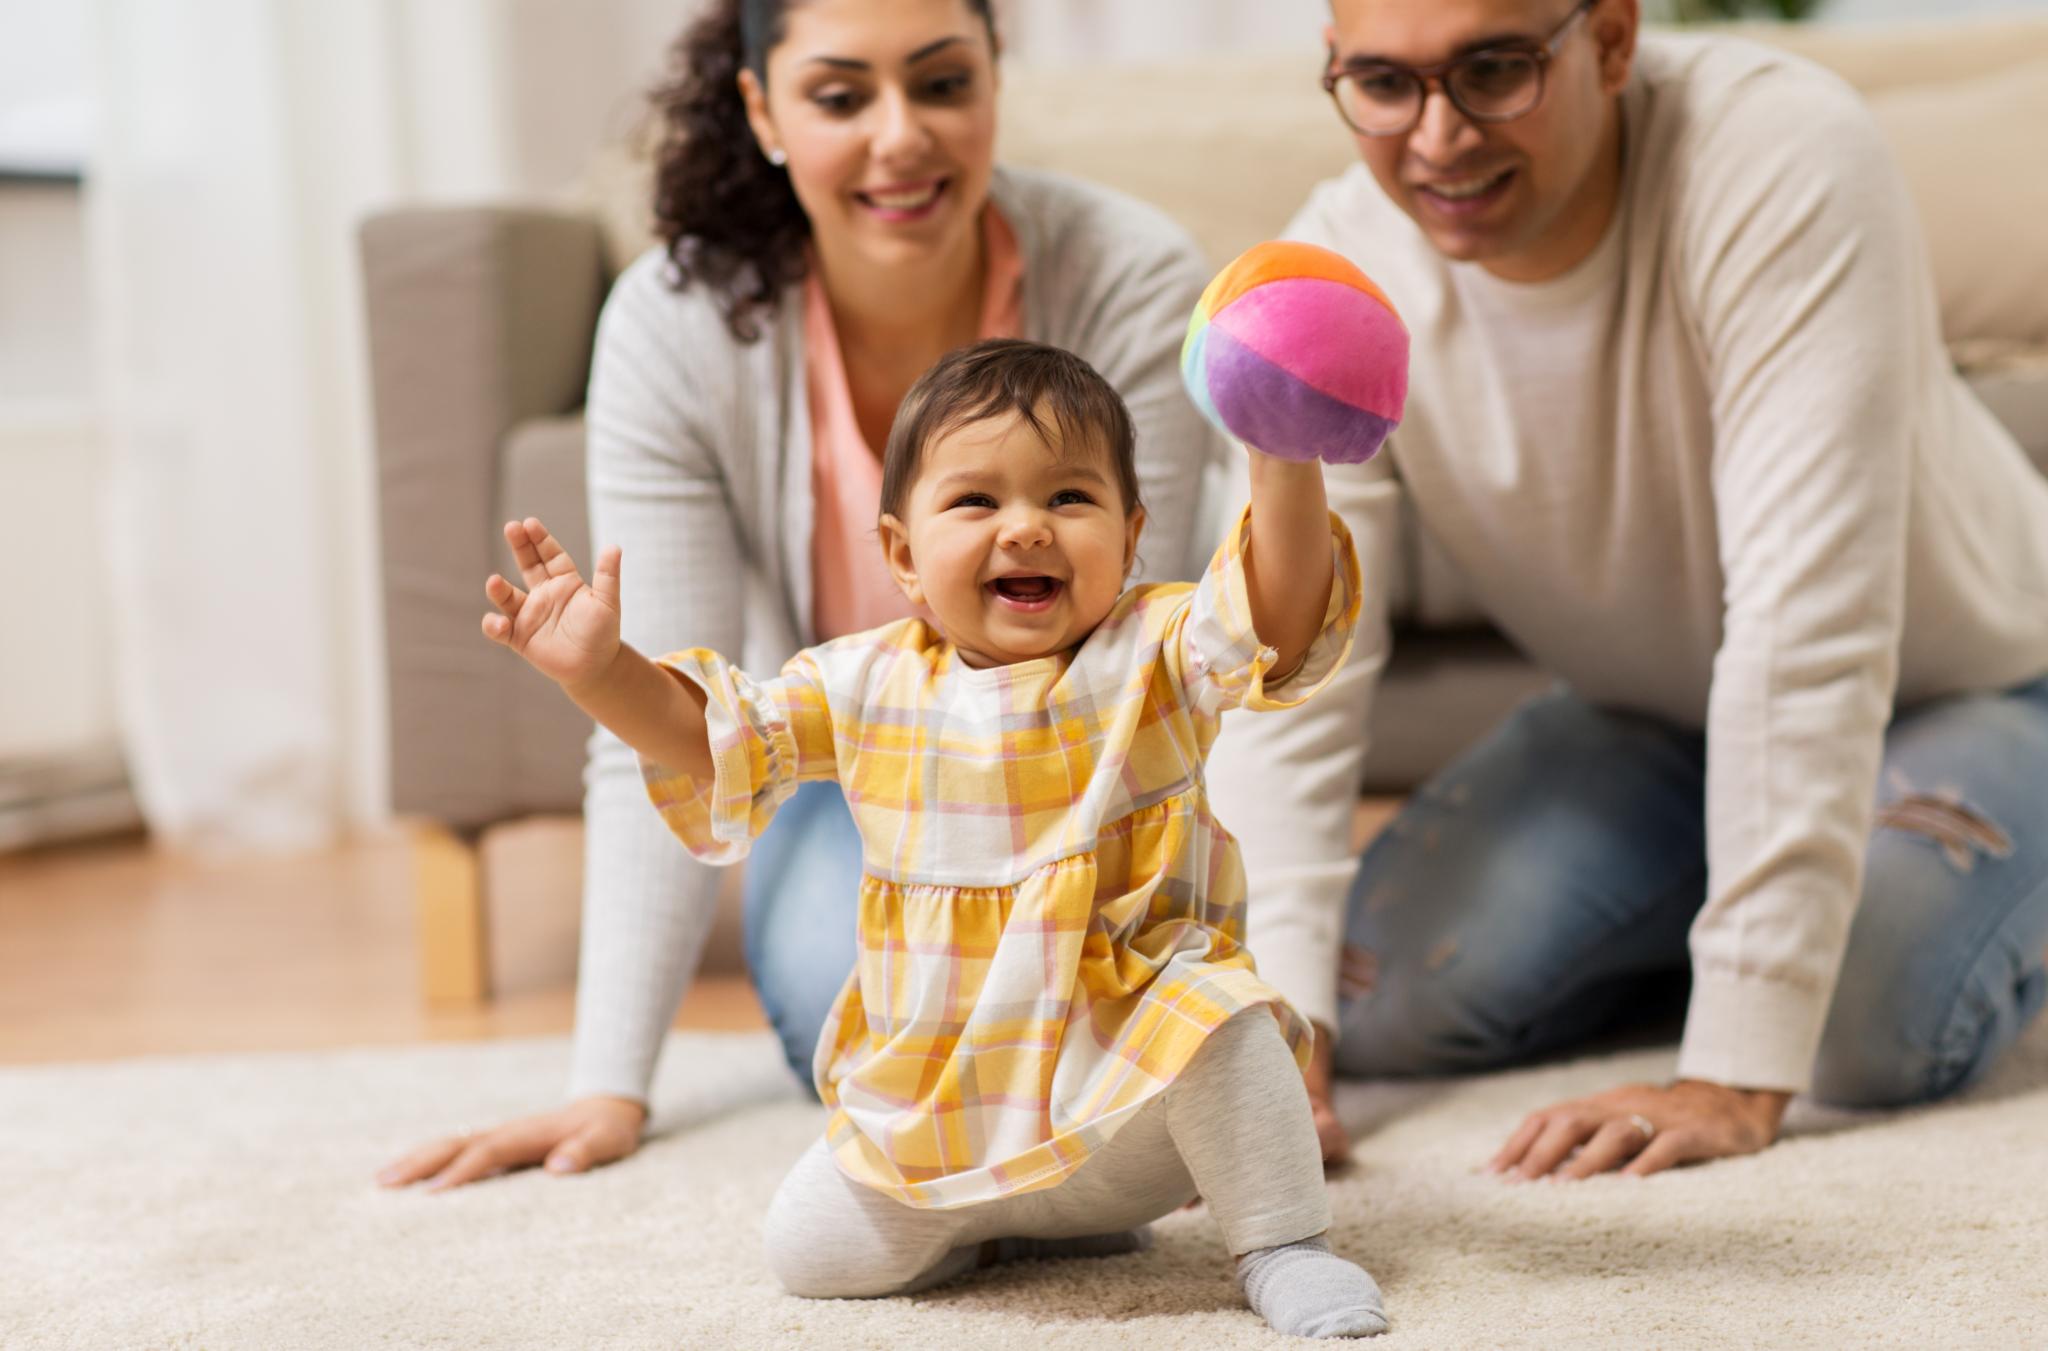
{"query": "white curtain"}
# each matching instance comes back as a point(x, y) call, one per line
point(242, 142)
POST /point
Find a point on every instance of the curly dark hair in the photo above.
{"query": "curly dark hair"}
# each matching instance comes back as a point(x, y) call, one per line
point(727, 217)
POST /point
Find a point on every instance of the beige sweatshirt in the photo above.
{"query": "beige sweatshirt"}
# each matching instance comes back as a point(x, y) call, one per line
point(1722, 473)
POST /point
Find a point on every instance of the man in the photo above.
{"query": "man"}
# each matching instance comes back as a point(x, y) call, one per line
point(1682, 424)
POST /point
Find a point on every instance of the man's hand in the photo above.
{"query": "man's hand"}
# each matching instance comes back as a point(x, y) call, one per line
point(586, 1134)
point(567, 630)
point(1641, 1129)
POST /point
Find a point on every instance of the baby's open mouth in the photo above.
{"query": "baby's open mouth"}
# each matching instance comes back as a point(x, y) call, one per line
point(1026, 592)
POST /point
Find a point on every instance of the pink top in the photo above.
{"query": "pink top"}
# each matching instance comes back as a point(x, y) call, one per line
point(851, 587)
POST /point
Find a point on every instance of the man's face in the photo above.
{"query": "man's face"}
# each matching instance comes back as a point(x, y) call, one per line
point(1527, 198)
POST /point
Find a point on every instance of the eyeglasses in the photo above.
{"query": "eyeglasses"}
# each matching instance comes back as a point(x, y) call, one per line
point(1490, 84)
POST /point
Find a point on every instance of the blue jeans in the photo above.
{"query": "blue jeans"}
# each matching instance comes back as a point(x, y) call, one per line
point(1542, 886)
point(802, 896)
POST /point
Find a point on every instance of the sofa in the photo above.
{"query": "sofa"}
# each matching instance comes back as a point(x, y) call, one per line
point(481, 321)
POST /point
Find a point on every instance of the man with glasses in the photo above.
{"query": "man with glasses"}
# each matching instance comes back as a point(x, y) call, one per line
point(1682, 425)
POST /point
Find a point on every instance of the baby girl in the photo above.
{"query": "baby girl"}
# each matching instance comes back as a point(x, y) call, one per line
point(1053, 1033)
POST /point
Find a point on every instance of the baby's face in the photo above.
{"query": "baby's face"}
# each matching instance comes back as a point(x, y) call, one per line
point(1017, 548)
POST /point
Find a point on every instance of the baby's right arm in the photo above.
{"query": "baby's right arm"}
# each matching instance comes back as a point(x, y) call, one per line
point(569, 632)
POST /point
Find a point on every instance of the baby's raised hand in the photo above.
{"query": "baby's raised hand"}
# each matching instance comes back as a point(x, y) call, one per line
point(567, 630)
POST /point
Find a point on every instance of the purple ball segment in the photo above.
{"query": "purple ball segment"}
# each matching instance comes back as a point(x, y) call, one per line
point(1295, 352)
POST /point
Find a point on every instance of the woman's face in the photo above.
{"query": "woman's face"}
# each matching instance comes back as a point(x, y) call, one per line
point(886, 111)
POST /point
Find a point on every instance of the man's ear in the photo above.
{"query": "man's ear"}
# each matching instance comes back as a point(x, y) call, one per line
point(756, 100)
point(896, 549)
point(1615, 24)
point(1134, 526)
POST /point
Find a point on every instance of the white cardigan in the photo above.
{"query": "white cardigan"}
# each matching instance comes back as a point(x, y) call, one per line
point(700, 469)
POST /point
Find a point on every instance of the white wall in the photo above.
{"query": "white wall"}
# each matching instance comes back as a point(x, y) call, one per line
point(577, 77)
point(1095, 31)
point(44, 59)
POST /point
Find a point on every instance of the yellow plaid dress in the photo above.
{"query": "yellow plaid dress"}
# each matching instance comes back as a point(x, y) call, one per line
point(1050, 920)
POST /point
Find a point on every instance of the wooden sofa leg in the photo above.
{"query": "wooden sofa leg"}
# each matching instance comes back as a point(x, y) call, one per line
point(449, 897)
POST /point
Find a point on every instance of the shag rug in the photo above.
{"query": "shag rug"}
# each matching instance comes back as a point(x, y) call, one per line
point(226, 1202)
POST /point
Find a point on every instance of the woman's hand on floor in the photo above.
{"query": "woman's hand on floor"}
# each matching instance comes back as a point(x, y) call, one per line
point(588, 1133)
point(1641, 1129)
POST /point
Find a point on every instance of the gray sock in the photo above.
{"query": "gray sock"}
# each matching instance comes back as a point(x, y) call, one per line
point(1305, 1290)
point(1086, 1245)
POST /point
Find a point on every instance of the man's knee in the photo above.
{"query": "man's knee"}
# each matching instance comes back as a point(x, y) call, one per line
point(1925, 1004)
point(1441, 1016)
point(1877, 1068)
point(1882, 1049)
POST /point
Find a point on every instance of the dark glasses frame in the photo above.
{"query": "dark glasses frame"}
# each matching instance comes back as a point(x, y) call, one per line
point(1438, 77)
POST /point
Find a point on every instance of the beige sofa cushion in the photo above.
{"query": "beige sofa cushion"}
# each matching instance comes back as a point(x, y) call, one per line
point(2014, 386)
point(1971, 152)
point(1227, 147)
point(1886, 56)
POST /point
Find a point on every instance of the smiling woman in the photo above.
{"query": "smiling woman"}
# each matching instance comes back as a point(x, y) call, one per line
point(749, 179)
point(832, 222)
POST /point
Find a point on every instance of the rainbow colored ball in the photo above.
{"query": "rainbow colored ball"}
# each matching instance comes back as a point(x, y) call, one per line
point(1294, 351)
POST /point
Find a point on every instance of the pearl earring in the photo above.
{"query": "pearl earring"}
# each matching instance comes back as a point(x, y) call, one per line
point(778, 157)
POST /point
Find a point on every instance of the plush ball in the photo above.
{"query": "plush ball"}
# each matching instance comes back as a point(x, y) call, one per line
point(1294, 351)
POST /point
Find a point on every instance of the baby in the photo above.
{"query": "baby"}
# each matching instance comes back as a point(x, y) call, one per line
point(1053, 1034)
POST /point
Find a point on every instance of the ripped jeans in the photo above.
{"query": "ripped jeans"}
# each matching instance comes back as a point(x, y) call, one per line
point(1541, 888)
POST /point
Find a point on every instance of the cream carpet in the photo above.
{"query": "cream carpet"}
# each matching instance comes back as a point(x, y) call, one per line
point(224, 1203)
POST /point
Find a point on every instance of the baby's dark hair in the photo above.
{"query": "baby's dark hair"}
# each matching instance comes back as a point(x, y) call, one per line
point(1065, 401)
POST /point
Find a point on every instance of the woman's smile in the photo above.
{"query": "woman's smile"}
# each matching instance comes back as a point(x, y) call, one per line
point(904, 202)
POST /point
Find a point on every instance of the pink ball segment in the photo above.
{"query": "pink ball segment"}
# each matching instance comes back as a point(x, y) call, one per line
point(1295, 352)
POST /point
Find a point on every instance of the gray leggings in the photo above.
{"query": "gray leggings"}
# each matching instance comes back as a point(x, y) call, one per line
point(1234, 1129)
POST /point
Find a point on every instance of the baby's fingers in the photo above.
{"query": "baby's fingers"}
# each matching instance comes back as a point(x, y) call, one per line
point(606, 583)
point(537, 552)
point(524, 553)
point(554, 559)
point(508, 598)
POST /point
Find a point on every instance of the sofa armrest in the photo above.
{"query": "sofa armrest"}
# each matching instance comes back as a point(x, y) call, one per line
point(478, 319)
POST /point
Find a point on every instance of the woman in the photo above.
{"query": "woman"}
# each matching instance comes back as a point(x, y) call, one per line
point(833, 223)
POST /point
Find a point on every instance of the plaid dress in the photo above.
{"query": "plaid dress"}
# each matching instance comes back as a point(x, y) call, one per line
point(1050, 920)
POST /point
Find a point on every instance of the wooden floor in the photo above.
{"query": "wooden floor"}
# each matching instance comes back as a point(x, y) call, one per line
point(120, 950)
